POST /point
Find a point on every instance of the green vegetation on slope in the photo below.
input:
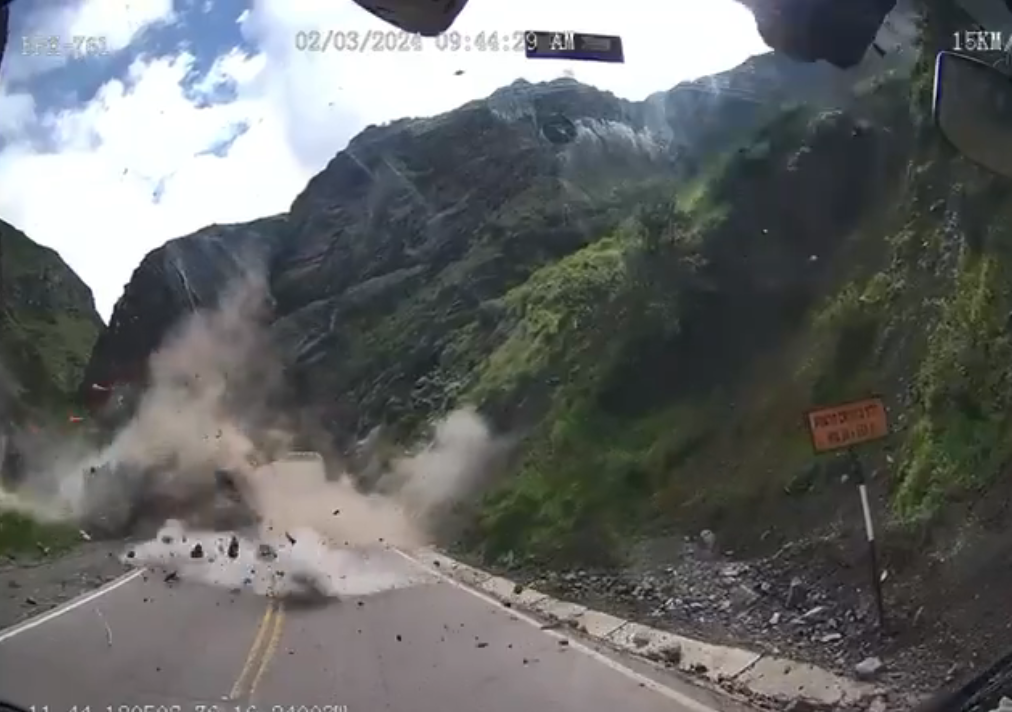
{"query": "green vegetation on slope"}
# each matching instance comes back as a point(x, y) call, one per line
point(673, 358)
point(21, 535)
point(48, 324)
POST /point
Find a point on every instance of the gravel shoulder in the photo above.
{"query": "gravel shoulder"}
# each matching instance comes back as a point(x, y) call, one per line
point(805, 602)
point(30, 586)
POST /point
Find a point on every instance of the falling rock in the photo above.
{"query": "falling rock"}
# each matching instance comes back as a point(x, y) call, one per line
point(868, 668)
point(708, 538)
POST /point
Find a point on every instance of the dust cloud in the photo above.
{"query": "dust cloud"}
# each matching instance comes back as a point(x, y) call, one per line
point(209, 408)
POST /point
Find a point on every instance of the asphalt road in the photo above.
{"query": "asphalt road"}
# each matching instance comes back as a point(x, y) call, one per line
point(140, 645)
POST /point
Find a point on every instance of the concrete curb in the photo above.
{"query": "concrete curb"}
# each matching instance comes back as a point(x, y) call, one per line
point(777, 681)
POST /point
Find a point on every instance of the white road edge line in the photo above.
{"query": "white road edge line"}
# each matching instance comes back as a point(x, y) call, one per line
point(69, 605)
point(689, 703)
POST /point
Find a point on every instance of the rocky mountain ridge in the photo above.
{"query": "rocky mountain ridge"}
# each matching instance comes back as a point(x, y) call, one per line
point(405, 201)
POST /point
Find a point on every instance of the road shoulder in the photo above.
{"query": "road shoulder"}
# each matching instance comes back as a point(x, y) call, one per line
point(28, 589)
point(759, 679)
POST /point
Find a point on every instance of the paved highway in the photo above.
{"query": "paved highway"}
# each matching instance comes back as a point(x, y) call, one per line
point(405, 639)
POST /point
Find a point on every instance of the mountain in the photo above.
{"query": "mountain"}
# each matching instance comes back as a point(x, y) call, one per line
point(48, 326)
point(181, 276)
point(405, 203)
point(612, 298)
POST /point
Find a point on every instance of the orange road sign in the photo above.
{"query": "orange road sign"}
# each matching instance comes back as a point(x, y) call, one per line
point(848, 424)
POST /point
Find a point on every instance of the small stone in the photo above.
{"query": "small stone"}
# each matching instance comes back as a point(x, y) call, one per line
point(877, 705)
point(31, 601)
point(868, 668)
point(775, 618)
point(798, 705)
point(797, 594)
point(830, 638)
point(641, 640)
point(670, 655)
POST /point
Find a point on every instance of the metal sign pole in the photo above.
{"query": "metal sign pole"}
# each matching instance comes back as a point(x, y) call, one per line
point(869, 528)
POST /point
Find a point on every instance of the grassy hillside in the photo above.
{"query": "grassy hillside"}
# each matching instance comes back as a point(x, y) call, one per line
point(675, 355)
point(48, 324)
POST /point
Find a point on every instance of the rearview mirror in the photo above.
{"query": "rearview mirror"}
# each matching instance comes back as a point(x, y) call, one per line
point(973, 110)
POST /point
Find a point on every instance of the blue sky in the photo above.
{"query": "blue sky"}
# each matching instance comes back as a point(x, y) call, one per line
point(205, 112)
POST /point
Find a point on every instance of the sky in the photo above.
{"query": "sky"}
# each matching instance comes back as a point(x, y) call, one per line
point(207, 111)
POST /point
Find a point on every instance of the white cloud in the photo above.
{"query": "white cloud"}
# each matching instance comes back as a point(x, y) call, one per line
point(95, 198)
point(117, 21)
point(17, 112)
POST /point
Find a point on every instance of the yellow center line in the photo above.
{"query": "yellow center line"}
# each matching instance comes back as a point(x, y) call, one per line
point(270, 650)
point(254, 652)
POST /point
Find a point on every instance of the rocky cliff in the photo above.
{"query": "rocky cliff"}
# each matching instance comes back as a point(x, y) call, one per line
point(181, 276)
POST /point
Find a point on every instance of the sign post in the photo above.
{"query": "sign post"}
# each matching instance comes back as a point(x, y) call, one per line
point(869, 528)
point(843, 427)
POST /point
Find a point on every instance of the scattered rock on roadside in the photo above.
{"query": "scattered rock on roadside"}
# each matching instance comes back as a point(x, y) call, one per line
point(797, 594)
point(868, 668)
